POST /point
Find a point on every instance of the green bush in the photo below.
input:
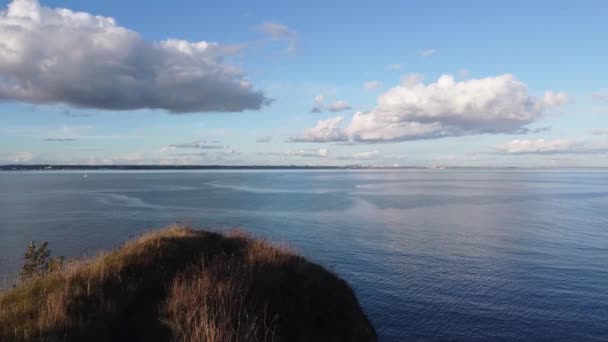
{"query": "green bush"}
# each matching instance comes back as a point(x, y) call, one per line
point(38, 261)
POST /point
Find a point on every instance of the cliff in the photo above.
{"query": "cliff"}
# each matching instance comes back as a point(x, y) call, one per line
point(179, 284)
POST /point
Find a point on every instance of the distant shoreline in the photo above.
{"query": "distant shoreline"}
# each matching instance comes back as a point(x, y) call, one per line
point(44, 167)
point(61, 167)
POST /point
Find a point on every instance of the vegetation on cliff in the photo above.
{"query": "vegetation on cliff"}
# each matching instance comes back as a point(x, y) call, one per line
point(185, 285)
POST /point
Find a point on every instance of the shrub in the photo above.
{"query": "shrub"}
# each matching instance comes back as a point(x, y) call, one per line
point(38, 261)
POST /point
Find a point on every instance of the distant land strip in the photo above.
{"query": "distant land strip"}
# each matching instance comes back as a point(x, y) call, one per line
point(76, 167)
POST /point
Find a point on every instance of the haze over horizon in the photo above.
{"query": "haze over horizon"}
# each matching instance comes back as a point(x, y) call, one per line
point(473, 84)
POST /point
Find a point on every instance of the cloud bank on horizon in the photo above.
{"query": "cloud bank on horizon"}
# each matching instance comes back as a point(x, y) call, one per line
point(52, 56)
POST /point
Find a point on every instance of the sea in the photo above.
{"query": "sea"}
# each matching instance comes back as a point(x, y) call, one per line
point(432, 255)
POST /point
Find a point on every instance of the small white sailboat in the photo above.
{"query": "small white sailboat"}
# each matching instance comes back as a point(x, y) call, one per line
point(85, 175)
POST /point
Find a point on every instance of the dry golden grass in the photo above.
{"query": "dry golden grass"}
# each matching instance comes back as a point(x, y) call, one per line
point(186, 285)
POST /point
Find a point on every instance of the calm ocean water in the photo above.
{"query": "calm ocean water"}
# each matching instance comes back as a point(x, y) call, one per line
point(432, 255)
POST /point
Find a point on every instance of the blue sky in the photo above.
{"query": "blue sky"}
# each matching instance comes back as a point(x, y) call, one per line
point(528, 84)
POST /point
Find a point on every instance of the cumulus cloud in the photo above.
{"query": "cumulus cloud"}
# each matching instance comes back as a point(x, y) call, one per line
point(324, 130)
point(264, 139)
point(371, 85)
point(558, 146)
point(427, 52)
point(338, 106)
point(60, 56)
point(280, 32)
point(365, 127)
point(413, 110)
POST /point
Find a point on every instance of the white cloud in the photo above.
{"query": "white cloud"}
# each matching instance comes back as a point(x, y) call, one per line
point(558, 146)
point(365, 127)
point(551, 99)
point(524, 146)
point(371, 85)
point(60, 56)
point(17, 157)
point(500, 103)
point(203, 145)
point(264, 139)
point(280, 32)
point(366, 154)
point(338, 106)
point(427, 52)
point(411, 79)
point(319, 104)
point(308, 153)
point(393, 67)
point(324, 130)
point(131, 157)
point(413, 110)
point(601, 96)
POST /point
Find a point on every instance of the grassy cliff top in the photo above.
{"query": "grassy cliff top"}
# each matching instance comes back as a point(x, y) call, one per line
point(181, 284)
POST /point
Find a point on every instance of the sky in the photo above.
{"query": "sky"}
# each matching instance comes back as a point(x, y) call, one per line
point(412, 83)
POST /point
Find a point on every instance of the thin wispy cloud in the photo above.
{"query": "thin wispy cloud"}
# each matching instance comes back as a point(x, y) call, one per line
point(366, 154)
point(203, 145)
point(59, 139)
point(335, 106)
point(371, 85)
point(601, 96)
point(280, 32)
point(427, 52)
point(69, 113)
point(17, 157)
point(338, 106)
point(395, 66)
point(264, 139)
point(307, 153)
point(557, 146)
